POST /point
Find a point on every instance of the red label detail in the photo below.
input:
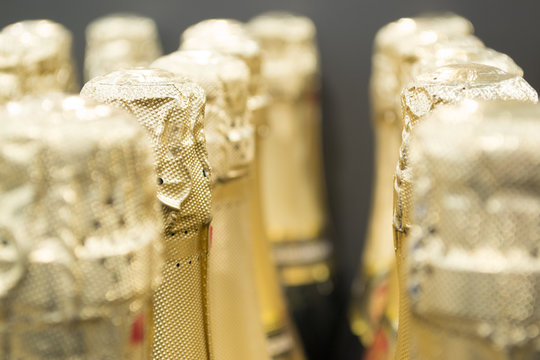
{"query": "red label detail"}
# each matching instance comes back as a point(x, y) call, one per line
point(314, 97)
point(379, 348)
point(137, 330)
point(378, 302)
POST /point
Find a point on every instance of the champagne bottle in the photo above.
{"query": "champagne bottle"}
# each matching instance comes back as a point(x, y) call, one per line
point(225, 80)
point(120, 41)
point(473, 269)
point(172, 112)
point(397, 46)
point(291, 173)
point(79, 234)
point(447, 84)
point(36, 59)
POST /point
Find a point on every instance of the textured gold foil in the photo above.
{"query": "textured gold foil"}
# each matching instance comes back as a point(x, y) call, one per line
point(35, 58)
point(229, 134)
point(228, 37)
point(79, 231)
point(231, 38)
point(120, 41)
point(398, 41)
point(473, 264)
point(448, 84)
point(283, 36)
point(172, 112)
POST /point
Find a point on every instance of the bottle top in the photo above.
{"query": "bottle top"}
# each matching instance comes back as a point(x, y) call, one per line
point(453, 83)
point(447, 85)
point(78, 222)
point(171, 110)
point(120, 41)
point(476, 204)
point(400, 44)
point(403, 35)
point(456, 51)
point(229, 37)
point(35, 58)
point(225, 79)
point(291, 64)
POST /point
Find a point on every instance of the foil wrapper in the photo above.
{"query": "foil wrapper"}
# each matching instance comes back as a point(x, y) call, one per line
point(459, 51)
point(172, 112)
point(284, 37)
point(398, 46)
point(120, 41)
point(231, 38)
point(79, 249)
point(229, 133)
point(473, 264)
point(398, 41)
point(446, 85)
point(293, 213)
point(228, 37)
point(35, 58)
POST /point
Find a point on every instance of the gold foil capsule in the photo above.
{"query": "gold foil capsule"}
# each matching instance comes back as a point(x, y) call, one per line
point(229, 37)
point(225, 79)
point(79, 235)
point(473, 267)
point(397, 47)
point(35, 58)
point(458, 51)
point(229, 134)
point(120, 41)
point(446, 85)
point(283, 36)
point(172, 112)
point(395, 43)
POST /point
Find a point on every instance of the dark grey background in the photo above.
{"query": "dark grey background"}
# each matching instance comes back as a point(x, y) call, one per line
point(345, 33)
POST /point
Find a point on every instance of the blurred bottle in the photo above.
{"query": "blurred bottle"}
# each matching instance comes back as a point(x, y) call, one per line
point(36, 58)
point(172, 112)
point(225, 80)
point(374, 308)
point(79, 235)
point(230, 37)
point(291, 174)
point(120, 41)
point(446, 85)
point(473, 267)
